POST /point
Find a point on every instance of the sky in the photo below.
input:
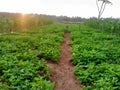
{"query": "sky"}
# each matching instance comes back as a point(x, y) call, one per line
point(81, 8)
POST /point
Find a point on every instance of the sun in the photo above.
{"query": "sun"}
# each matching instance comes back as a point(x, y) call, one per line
point(23, 14)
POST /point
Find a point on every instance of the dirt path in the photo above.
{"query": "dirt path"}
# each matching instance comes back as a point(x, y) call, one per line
point(62, 70)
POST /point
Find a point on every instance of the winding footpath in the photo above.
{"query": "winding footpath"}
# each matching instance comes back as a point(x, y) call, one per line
point(62, 70)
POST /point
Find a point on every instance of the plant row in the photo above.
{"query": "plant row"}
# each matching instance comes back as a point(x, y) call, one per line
point(23, 55)
point(109, 24)
point(96, 56)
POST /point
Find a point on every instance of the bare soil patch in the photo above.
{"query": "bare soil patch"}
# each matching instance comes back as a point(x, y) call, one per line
point(62, 70)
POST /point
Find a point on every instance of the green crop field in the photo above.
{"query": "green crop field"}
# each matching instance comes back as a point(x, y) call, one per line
point(96, 56)
point(23, 55)
point(27, 44)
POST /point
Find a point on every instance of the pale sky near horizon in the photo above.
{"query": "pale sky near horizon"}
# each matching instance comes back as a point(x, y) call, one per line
point(82, 8)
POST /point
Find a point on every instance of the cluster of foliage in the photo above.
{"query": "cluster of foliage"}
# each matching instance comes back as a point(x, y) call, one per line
point(23, 55)
point(65, 19)
point(96, 56)
point(22, 21)
point(109, 24)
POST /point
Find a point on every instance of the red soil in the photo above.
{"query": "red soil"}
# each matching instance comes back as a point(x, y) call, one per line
point(62, 70)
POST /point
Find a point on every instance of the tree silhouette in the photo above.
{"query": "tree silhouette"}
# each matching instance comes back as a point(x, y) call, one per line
point(101, 8)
